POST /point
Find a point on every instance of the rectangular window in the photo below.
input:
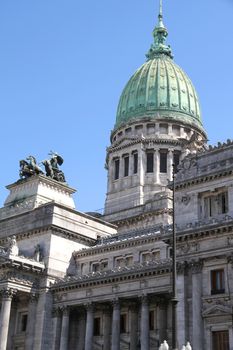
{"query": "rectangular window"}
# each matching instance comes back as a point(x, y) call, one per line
point(150, 162)
point(97, 323)
point(163, 162)
point(220, 340)
point(176, 161)
point(126, 166)
point(96, 267)
point(152, 320)
point(217, 281)
point(129, 261)
point(215, 204)
point(163, 128)
point(135, 163)
point(22, 322)
point(123, 323)
point(117, 169)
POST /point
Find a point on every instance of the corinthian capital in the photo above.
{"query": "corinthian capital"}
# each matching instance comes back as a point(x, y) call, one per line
point(8, 293)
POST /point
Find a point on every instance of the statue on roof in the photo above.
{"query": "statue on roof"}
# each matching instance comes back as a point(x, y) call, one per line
point(29, 167)
point(52, 167)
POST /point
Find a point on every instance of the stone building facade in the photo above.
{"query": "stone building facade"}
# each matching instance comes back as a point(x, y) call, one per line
point(77, 281)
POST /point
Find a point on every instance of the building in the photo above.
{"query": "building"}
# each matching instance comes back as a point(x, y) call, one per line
point(72, 280)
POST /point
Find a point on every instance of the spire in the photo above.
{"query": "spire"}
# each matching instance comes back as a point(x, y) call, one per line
point(160, 33)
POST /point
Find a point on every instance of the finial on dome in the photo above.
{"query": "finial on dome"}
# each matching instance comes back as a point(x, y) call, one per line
point(160, 33)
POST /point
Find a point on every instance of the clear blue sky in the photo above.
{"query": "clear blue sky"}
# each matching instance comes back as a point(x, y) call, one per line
point(64, 63)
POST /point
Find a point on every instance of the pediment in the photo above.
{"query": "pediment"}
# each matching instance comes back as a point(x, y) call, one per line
point(217, 310)
point(124, 142)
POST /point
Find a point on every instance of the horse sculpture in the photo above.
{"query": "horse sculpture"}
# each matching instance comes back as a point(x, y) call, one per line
point(52, 169)
point(30, 168)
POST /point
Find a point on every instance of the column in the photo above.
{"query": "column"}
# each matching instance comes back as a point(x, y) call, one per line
point(156, 166)
point(64, 329)
point(89, 327)
point(7, 295)
point(162, 320)
point(144, 326)
point(141, 170)
point(197, 321)
point(30, 331)
point(106, 329)
point(116, 325)
point(133, 326)
point(169, 163)
point(81, 329)
point(56, 314)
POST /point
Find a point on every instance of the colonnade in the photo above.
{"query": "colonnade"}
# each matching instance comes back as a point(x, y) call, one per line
point(138, 335)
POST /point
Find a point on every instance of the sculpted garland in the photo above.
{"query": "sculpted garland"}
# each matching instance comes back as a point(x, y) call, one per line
point(29, 167)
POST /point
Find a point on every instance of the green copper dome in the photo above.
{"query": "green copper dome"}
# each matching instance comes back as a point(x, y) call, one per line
point(159, 88)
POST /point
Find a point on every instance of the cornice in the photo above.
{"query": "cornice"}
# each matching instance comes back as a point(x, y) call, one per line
point(202, 179)
point(77, 237)
point(113, 276)
point(151, 141)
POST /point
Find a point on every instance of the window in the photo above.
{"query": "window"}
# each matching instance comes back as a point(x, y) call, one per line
point(104, 265)
point(22, 322)
point(96, 267)
point(176, 161)
point(126, 166)
point(163, 162)
point(214, 203)
point(123, 323)
point(220, 340)
point(129, 261)
point(119, 262)
point(163, 128)
point(97, 324)
point(152, 320)
point(135, 163)
point(117, 169)
point(217, 281)
point(150, 162)
point(176, 130)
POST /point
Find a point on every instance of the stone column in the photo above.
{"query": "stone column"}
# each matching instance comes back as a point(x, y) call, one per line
point(30, 331)
point(7, 295)
point(156, 166)
point(56, 314)
point(81, 329)
point(64, 329)
point(197, 321)
point(116, 316)
point(106, 329)
point(162, 320)
point(89, 327)
point(169, 163)
point(141, 171)
point(144, 326)
point(133, 326)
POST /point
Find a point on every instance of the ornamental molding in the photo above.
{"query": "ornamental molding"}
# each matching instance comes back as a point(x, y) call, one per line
point(196, 180)
point(145, 142)
point(136, 272)
point(53, 229)
point(8, 293)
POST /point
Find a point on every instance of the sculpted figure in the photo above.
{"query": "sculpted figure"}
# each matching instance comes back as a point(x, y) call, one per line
point(52, 167)
point(37, 253)
point(29, 167)
point(12, 246)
